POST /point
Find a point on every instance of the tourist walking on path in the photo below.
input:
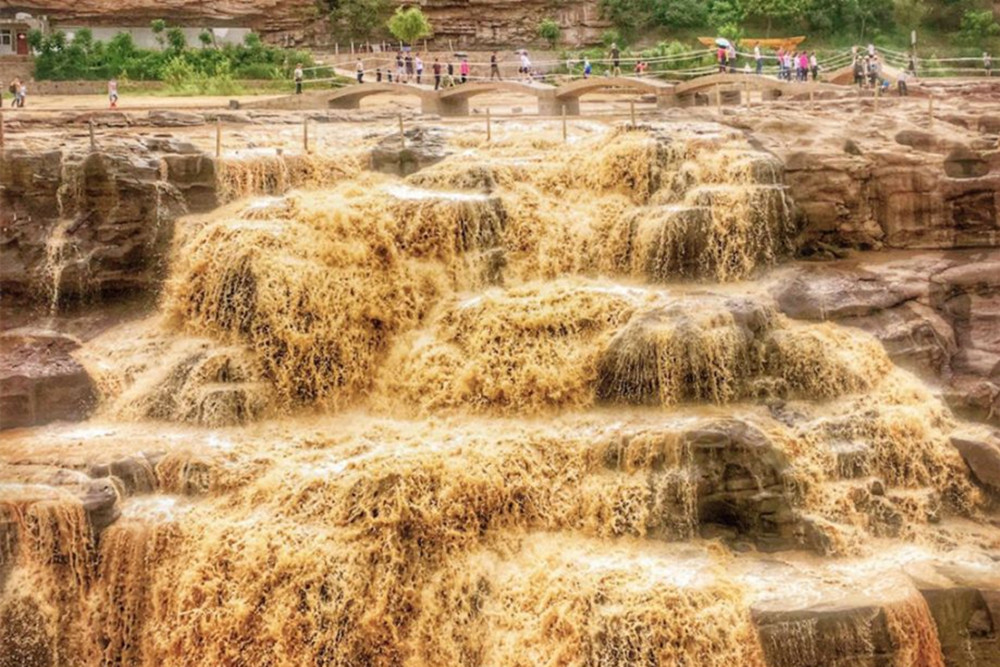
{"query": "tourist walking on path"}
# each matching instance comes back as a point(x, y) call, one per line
point(720, 55)
point(360, 68)
point(804, 65)
point(399, 67)
point(378, 75)
point(616, 62)
point(436, 68)
point(911, 65)
point(18, 90)
point(495, 68)
point(408, 62)
point(449, 80)
point(463, 69)
point(987, 63)
point(758, 58)
point(298, 76)
point(814, 66)
point(859, 72)
point(901, 84)
point(731, 58)
point(587, 68)
point(113, 93)
point(418, 64)
point(525, 70)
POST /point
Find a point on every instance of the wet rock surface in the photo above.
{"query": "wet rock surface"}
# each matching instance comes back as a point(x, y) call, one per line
point(40, 381)
point(938, 314)
point(74, 225)
point(403, 155)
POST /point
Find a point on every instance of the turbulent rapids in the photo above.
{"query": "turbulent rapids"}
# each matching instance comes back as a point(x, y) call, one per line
point(522, 407)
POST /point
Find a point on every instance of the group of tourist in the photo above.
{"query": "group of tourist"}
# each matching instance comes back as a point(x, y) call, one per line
point(19, 91)
point(410, 69)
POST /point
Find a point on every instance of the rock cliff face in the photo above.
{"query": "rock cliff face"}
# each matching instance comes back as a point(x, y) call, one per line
point(464, 22)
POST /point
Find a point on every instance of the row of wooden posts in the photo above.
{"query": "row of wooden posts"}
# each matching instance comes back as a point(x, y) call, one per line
point(489, 123)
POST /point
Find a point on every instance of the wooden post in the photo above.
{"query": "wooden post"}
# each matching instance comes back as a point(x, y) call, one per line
point(631, 108)
point(812, 96)
point(1, 130)
point(402, 133)
point(878, 94)
point(336, 49)
point(746, 92)
point(489, 131)
point(930, 111)
point(718, 98)
point(218, 137)
point(425, 45)
point(564, 122)
point(93, 142)
point(305, 134)
point(352, 47)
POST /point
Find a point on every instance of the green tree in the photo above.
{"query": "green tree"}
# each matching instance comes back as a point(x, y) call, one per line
point(628, 16)
point(680, 13)
point(408, 25)
point(725, 13)
point(360, 19)
point(176, 40)
point(158, 26)
point(774, 10)
point(548, 30)
point(909, 14)
point(978, 27)
point(207, 38)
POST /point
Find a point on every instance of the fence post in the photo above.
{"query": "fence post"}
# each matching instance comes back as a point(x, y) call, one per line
point(305, 134)
point(489, 131)
point(402, 133)
point(93, 142)
point(878, 91)
point(746, 91)
point(930, 110)
point(718, 98)
point(631, 109)
point(1, 130)
point(564, 122)
point(218, 137)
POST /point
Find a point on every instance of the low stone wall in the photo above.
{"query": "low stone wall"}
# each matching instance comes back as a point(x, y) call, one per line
point(101, 87)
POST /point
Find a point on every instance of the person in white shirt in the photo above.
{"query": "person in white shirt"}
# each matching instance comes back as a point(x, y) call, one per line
point(758, 59)
point(418, 65)
point(525, 65)
point(814, 66)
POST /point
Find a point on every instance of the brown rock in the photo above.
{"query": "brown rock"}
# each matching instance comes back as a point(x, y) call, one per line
point(982, 454)
point(40, 382)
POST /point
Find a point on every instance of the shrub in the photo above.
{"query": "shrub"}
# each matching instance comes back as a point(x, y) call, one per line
point(548, 30)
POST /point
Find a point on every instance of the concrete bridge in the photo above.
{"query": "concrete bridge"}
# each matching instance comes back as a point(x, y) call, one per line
point(552, 100)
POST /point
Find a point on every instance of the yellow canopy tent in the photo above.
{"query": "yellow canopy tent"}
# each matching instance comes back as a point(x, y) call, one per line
point(771, 43)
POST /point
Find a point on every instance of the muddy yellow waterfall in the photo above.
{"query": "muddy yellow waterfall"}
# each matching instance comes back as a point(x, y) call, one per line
point(527, 406)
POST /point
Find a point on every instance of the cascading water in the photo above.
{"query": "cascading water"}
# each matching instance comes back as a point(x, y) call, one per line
point(482, 416)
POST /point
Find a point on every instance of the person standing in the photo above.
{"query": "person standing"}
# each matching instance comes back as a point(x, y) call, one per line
point(758, 59)
point(113, 93)
point(804, 65)
point(987, 63)
point(525, 65)
point(616, 61)
point(463, 69)
point(378, 75)
point(495, 68)
point(781, 62)
point(587, 68)
point(859, 72)
point(298, 76)
point(449, 80)
point(399, 67)
point(814, 66)
point(360, 69)
point(418, 65)
point(901, 84)
point(911, 65)
point(436, 68)
point(408, 64)
point(731, 58)
point(720, 55)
